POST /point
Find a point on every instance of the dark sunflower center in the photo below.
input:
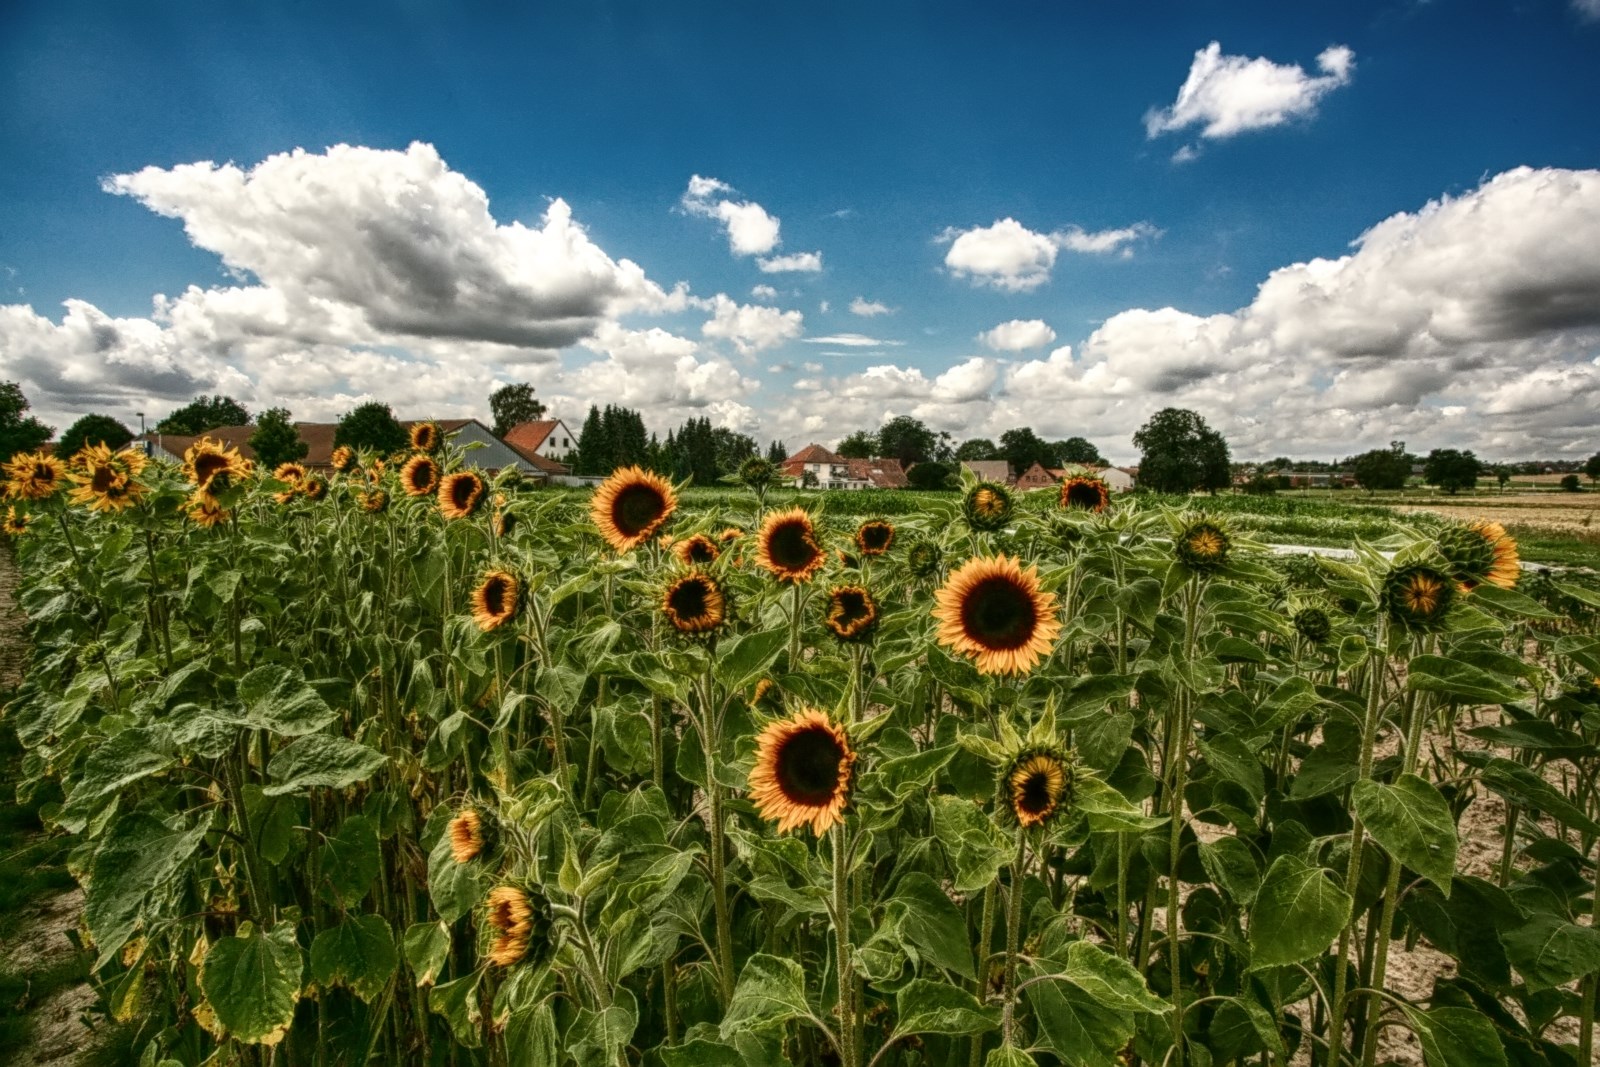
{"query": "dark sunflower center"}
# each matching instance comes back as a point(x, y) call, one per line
point(701, 551)
point(422, 475)
point(461, 492)
point(999, 614)
point(43, 473)
point(850, 606)
point(808, 767)
point(208, 466)
point(689, 599)
point(494, 596)
point(1081, 495)
point(104, 478)
point(1033, 795)
point(791, 547)
point(876, 538)
point(635, 508)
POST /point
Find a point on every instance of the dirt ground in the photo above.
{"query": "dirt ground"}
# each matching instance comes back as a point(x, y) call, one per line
point(1568, 512)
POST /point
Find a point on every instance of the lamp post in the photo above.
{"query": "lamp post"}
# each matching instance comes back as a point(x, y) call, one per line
point(143, 443)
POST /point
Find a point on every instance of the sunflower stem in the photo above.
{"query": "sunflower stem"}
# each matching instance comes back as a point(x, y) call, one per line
point(985, 924)
point(1019, 874)
point(794, 628)
point(1179, 755)
point(841, 936)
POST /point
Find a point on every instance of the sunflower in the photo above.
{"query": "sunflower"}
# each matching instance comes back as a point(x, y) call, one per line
point(767, 695)
point(510, 916)
point(495, 600)
point(1202, 546)
point(852, 613)
point(993, 610)
point(1087, 492)
point(1037, 787)
point(106, 480)
point(987, 506)
point(466, 835)
point(924, 558)
point(15, 523)
point(802, 772)
point(1481, 552)
point(425, 437)
point(1417, 597)
point(207, 511)
point(314, 487)
point(343, 458)
point(630, 506)
point(213, 468)
point(1312, 624)
point(732, 533)
point(695, 604)
point(35, 476)
point(459, 494)
point(788, 546)
point(420, 476)
point(374, 501)
point(696, 550)
point(504, 523)
point(874, 537)
point(294, 476)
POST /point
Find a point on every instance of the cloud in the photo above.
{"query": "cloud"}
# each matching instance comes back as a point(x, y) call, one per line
point(1227, 95)
point(660, 374)
point(751, 328)
point(1018, 335)
point(807, 262)
point(869, 308)
point(850, 340)
point(751, 230)
point(1009, 256)
point(1587, 9)
point(764, 292)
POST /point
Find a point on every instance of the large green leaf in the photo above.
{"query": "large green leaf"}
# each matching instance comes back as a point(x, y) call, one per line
point(1517, 783)
point(455, 888)
point(1109, 811)
point(1456, 1037)
point(458, 1002)
point(1411, 820)
point(741, 662)
point(1075, 1026)
point(427, 945)
point(597, 1037)
point(139, 858)
point(1548, 951)
point(358, 953)
point(977, 847)
point(700, 1053)
point(350, 859)
point(277, 699)
point(928, 1007)
point(123, 759)
point(1459, 680)
point(1232, 865)
point(1298, 912)
point(1110, 980)
point(252, 982)
point(320, 759)
point(771, 991)
point(934, 924)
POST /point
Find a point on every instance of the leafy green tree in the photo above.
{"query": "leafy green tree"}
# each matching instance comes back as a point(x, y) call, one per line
point(1180, 453)
point(1570, 484)
point(276, 440)
point(92, 430)
point(732, 448)
point(514, 404)
point(907, 439)
point(930, 475)
point(1451, 470)
point(371, 426)
point(863, 444)
point(1021, 448)
point(1592, 467)
point(776, 452)
point(594, 449)
point(19, 432)
point(693, 452)
point(1382, 468)
point(979, 448)
point(204, 413)
point(1078, 450)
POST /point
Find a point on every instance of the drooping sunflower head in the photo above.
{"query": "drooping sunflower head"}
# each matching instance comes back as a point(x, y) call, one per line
point(1037, 787)
point(730, 535)
point(496, 599)
point(425, 437)
point(213, 468)
point(1313, 624)
point(695, 604)
point(874, 537)
point(15, 524)
point(988, 506)
point(293, 475)
point(106, 480)
point(206, 510)
point(994, 611)
point(802, 772)
point(510, 915)
point(1480, 552)
point(466, 835)
point(923, 560)
point(1202, 546)
point(343, 458)
point(35, 476)
point(460, 494)
point(852, 614)
point(631, 506)
point(374, 501)
point(1418, 597)
point(757, 473)
point(787, 546)
point(420, 475)
point(697, 550)
point(315, 487)
point(1086, 492)
point(504, 523)
point(767, 696)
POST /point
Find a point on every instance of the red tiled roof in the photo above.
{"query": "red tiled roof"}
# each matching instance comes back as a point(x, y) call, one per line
point(882, 473)
point(813, 454)
point(526, 437)
point(542, 463)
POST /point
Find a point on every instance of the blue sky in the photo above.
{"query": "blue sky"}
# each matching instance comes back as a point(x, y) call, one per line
point(959, 166)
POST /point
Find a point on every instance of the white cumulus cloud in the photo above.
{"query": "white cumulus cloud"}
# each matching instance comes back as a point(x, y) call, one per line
point(751, 230)
point(797, 262)
point(1018, 335)
point(869, 308)
point(1009, 256)
point(751, 327)
point(1227, 95)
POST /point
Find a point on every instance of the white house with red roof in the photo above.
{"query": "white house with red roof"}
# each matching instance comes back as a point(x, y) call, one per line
point(547, 438)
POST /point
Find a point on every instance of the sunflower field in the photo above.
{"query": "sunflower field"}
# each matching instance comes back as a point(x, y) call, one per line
point(402, 763)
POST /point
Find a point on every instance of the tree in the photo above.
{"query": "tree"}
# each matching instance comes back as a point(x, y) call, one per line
point(1382, 468)
point(1451, 470)
point(1592, 467)
point(204, 413)
point(514, 404)
point(907, 440)
point(18, 432)
point(616, 437)
point(371, 426)
point(276, 440)
point(594, 451)
point(1021, 448)
point(1078, 450)
point(732, 448)
point(979, 448)
point(1179, 453)
point(929, 475)
point(776, 453)
point(863, 444)
point(1569, 483)
point(92, 430)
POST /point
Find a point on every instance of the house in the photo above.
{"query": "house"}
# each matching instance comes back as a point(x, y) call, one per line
point(817, 468)
point(989, 470)
point(1039, 476)
point(1120, 479)
point(548, 438)
point(877, 474)
point(1315, 479)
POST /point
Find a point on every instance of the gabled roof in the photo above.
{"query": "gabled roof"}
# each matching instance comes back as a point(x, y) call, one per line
point(881, 473)
point(990, 470)
point(533, 459)
point(813, 453)
point(526, 437)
